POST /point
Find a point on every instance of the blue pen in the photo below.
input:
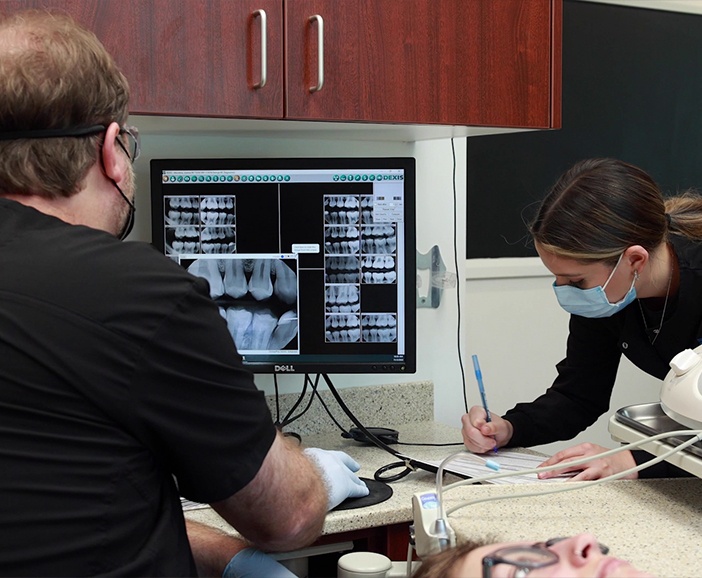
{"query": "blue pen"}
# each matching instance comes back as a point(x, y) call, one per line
point(481, 387)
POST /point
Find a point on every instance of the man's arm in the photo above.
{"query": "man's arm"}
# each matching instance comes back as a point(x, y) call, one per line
point(219, 555)
point(212, 549)
point(284, 506)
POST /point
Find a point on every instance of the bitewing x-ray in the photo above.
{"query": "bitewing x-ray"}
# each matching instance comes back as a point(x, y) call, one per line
point(256, 296)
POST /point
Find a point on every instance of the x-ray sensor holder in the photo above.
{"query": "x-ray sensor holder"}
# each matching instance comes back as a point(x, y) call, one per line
point(439, 278)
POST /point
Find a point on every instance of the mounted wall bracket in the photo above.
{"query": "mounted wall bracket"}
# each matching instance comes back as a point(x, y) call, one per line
point(438, 278)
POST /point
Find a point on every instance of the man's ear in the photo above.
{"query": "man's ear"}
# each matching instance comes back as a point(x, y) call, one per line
point(113, 158)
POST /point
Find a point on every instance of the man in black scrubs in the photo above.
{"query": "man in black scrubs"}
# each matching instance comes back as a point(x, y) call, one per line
point(120, 385)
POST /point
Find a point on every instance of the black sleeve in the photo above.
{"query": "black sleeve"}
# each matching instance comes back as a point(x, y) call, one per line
point(659, 470)
point(581, 392)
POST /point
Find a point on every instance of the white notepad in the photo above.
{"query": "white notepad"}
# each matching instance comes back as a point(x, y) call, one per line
point(473, 466)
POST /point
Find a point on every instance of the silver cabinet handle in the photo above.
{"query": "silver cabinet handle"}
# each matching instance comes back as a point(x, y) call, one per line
point(320, 52)
point(264, 48)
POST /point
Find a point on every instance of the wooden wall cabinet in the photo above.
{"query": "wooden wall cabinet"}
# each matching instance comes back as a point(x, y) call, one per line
point(448, 62)
point(454, 62)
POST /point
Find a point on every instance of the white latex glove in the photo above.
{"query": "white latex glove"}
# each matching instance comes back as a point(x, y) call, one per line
point(338, 470)
point(252, 563)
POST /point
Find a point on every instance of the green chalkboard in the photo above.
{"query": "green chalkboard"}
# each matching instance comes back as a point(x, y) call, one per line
point(632, 89)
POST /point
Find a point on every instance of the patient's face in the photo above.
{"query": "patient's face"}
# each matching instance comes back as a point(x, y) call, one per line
point(577, 556)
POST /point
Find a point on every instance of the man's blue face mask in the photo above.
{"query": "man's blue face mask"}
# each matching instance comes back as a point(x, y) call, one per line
point(593, 302)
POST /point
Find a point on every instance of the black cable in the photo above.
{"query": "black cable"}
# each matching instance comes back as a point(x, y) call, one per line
point(407, 462)
point(345, 431)
point(432, 445)
point(277, 400)
point(381, 444)
point(329, 413)
point(282, 424)
point(458, 283)
point(309, 402)
point(300, 397)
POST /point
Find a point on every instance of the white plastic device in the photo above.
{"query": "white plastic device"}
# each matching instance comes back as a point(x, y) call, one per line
point(681, 392)
point(363, 565)
point(430, 533)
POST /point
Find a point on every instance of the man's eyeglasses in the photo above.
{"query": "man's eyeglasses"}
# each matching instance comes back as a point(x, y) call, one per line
point(133, 146)
point(526, 558)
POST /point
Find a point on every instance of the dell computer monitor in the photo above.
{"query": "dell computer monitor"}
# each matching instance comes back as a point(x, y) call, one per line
point(310, 260)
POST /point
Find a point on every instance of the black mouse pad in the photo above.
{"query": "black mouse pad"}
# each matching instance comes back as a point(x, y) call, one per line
point(379, 492)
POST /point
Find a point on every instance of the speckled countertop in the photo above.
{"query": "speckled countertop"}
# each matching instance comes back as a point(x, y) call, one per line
point(386, 405)
point(655, 524)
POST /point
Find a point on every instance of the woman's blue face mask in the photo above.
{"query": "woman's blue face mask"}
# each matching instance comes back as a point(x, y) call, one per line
point(593, 302)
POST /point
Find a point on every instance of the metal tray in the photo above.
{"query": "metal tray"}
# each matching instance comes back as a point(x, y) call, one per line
point(650, 419)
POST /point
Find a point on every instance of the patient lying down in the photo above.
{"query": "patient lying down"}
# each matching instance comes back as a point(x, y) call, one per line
point(572, 557)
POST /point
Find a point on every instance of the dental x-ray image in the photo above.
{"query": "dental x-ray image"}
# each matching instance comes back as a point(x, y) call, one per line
point(343, 298)
point(342, 269)
point(379, 328)
point(343, 328)
point(341, 209)
point(200, 224)
point(256, 296)
point(341, 240)
point(368, 328)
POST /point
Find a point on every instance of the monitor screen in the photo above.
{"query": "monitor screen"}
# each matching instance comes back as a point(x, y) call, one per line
point(310, 260)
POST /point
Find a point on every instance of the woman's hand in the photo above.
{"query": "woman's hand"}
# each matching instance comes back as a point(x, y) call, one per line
point(481, 436)
point(593, 470)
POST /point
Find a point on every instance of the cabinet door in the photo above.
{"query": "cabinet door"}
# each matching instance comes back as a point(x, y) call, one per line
point(187, 57)
point(462, 62)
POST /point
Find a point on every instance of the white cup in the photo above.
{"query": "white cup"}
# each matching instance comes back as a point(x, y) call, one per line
point(363, 565)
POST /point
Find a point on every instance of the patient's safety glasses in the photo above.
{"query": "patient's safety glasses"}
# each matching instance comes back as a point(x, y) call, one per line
point(526, 558)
